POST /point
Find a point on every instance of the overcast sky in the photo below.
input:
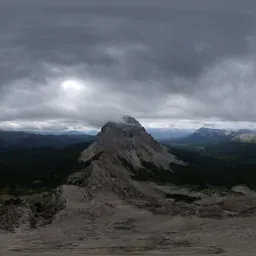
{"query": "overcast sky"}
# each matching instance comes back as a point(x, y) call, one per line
point(74, 64)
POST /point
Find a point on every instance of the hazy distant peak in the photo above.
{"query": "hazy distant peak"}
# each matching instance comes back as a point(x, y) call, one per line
point(211, 131)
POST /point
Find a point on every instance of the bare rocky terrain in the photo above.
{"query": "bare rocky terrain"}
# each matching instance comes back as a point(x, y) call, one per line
point(101, 210)
point(107, 224)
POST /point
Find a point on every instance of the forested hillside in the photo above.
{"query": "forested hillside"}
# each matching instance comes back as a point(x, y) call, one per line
point(39, 167)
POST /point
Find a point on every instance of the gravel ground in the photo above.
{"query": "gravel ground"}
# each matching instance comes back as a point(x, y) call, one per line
point(107, 225)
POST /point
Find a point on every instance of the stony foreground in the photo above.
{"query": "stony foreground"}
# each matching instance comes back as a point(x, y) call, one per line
point(186, 237)
point(109, 225)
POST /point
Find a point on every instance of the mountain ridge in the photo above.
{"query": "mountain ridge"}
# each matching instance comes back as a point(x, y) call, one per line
point(212, 135)
point(22, 139)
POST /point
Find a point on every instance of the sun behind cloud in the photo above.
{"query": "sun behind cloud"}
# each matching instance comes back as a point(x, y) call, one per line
point(72, 86)
point(71, 94)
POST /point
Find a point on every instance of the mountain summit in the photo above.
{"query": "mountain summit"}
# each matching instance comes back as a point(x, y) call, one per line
point(121, 150)
point(210, 132)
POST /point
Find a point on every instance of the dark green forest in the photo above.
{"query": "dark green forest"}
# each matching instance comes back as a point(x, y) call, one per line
point(224, 165)
point(223, 169)
point(39, 167)
point(23, 140)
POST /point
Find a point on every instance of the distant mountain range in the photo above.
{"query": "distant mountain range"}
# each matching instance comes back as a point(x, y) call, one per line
point(64, 132)
point(162, 134)
point(74, 132)
point(157, 133)
point(19, 139)
point(171, 136)
point(204, 136)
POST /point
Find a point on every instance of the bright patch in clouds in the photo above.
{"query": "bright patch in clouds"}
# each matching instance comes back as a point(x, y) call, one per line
point(72, 94)
point(72, 85)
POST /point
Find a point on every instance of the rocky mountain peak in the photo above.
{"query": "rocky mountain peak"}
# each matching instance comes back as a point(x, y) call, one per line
point(126, 133)
point(121, 150)
point(127, 123)
point(129, 120)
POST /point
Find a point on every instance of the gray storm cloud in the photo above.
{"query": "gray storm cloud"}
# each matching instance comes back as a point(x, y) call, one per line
point(80, 63)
